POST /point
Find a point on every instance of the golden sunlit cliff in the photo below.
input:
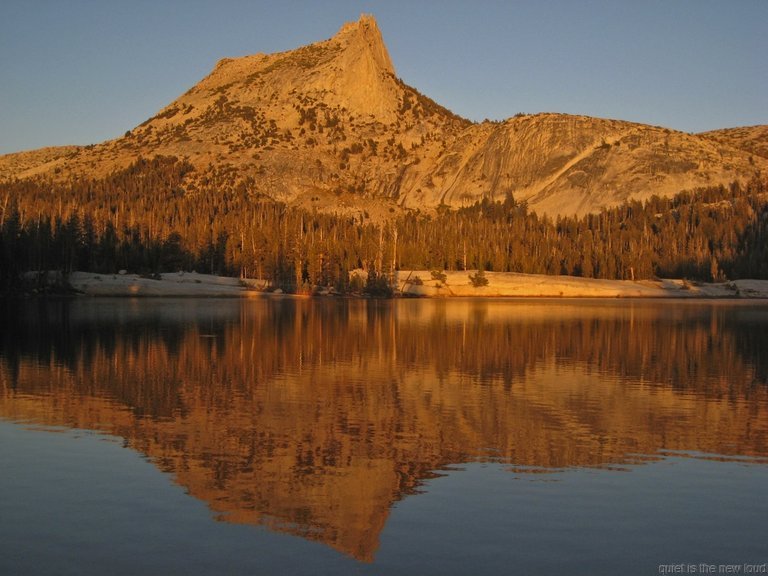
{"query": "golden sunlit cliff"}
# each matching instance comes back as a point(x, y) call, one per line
point(330, 125)
point(752, 139)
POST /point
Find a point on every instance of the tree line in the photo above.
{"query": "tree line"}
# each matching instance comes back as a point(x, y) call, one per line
point(142, 219)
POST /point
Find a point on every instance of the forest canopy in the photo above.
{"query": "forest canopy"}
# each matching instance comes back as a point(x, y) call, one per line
point(143, 220)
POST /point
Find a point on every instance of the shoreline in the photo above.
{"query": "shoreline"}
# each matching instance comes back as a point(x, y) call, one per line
point(515, 285)
point(421, 284)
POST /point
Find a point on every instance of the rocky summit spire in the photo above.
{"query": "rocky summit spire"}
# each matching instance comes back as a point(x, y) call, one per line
point(365, 32)
point(363, 75)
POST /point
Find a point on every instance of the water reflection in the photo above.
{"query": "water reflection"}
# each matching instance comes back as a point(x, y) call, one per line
point(314, 417)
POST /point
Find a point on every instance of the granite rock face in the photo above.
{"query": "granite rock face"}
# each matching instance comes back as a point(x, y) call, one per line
point(329, 125)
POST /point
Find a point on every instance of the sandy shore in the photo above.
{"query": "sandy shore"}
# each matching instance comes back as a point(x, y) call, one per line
point(421, 283)
point(504, 284)
point(171, 284)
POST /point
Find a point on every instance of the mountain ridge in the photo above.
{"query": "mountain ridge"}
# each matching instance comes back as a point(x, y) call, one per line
point(330, 126)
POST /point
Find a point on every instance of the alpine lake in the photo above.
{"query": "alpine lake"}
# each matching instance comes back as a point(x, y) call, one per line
point(335, 436)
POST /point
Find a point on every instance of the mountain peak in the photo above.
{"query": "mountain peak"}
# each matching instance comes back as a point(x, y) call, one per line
point(329, 124)
point(365, 33)
point(359, 76)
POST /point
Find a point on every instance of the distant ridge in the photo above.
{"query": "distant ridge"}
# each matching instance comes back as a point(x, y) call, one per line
point(329, 125)
point(752, 139)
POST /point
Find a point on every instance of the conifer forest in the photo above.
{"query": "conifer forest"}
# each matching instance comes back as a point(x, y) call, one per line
point(142, 220)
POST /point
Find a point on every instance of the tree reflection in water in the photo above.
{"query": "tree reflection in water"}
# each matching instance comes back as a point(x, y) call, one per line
point(314, 417)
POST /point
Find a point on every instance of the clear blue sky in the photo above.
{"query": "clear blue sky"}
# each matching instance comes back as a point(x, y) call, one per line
point(83, 71)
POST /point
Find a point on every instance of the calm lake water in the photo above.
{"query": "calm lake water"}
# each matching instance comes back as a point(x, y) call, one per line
point(402, 437)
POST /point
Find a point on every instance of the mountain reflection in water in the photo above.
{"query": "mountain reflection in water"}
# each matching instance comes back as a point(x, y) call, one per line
point(314, 417)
